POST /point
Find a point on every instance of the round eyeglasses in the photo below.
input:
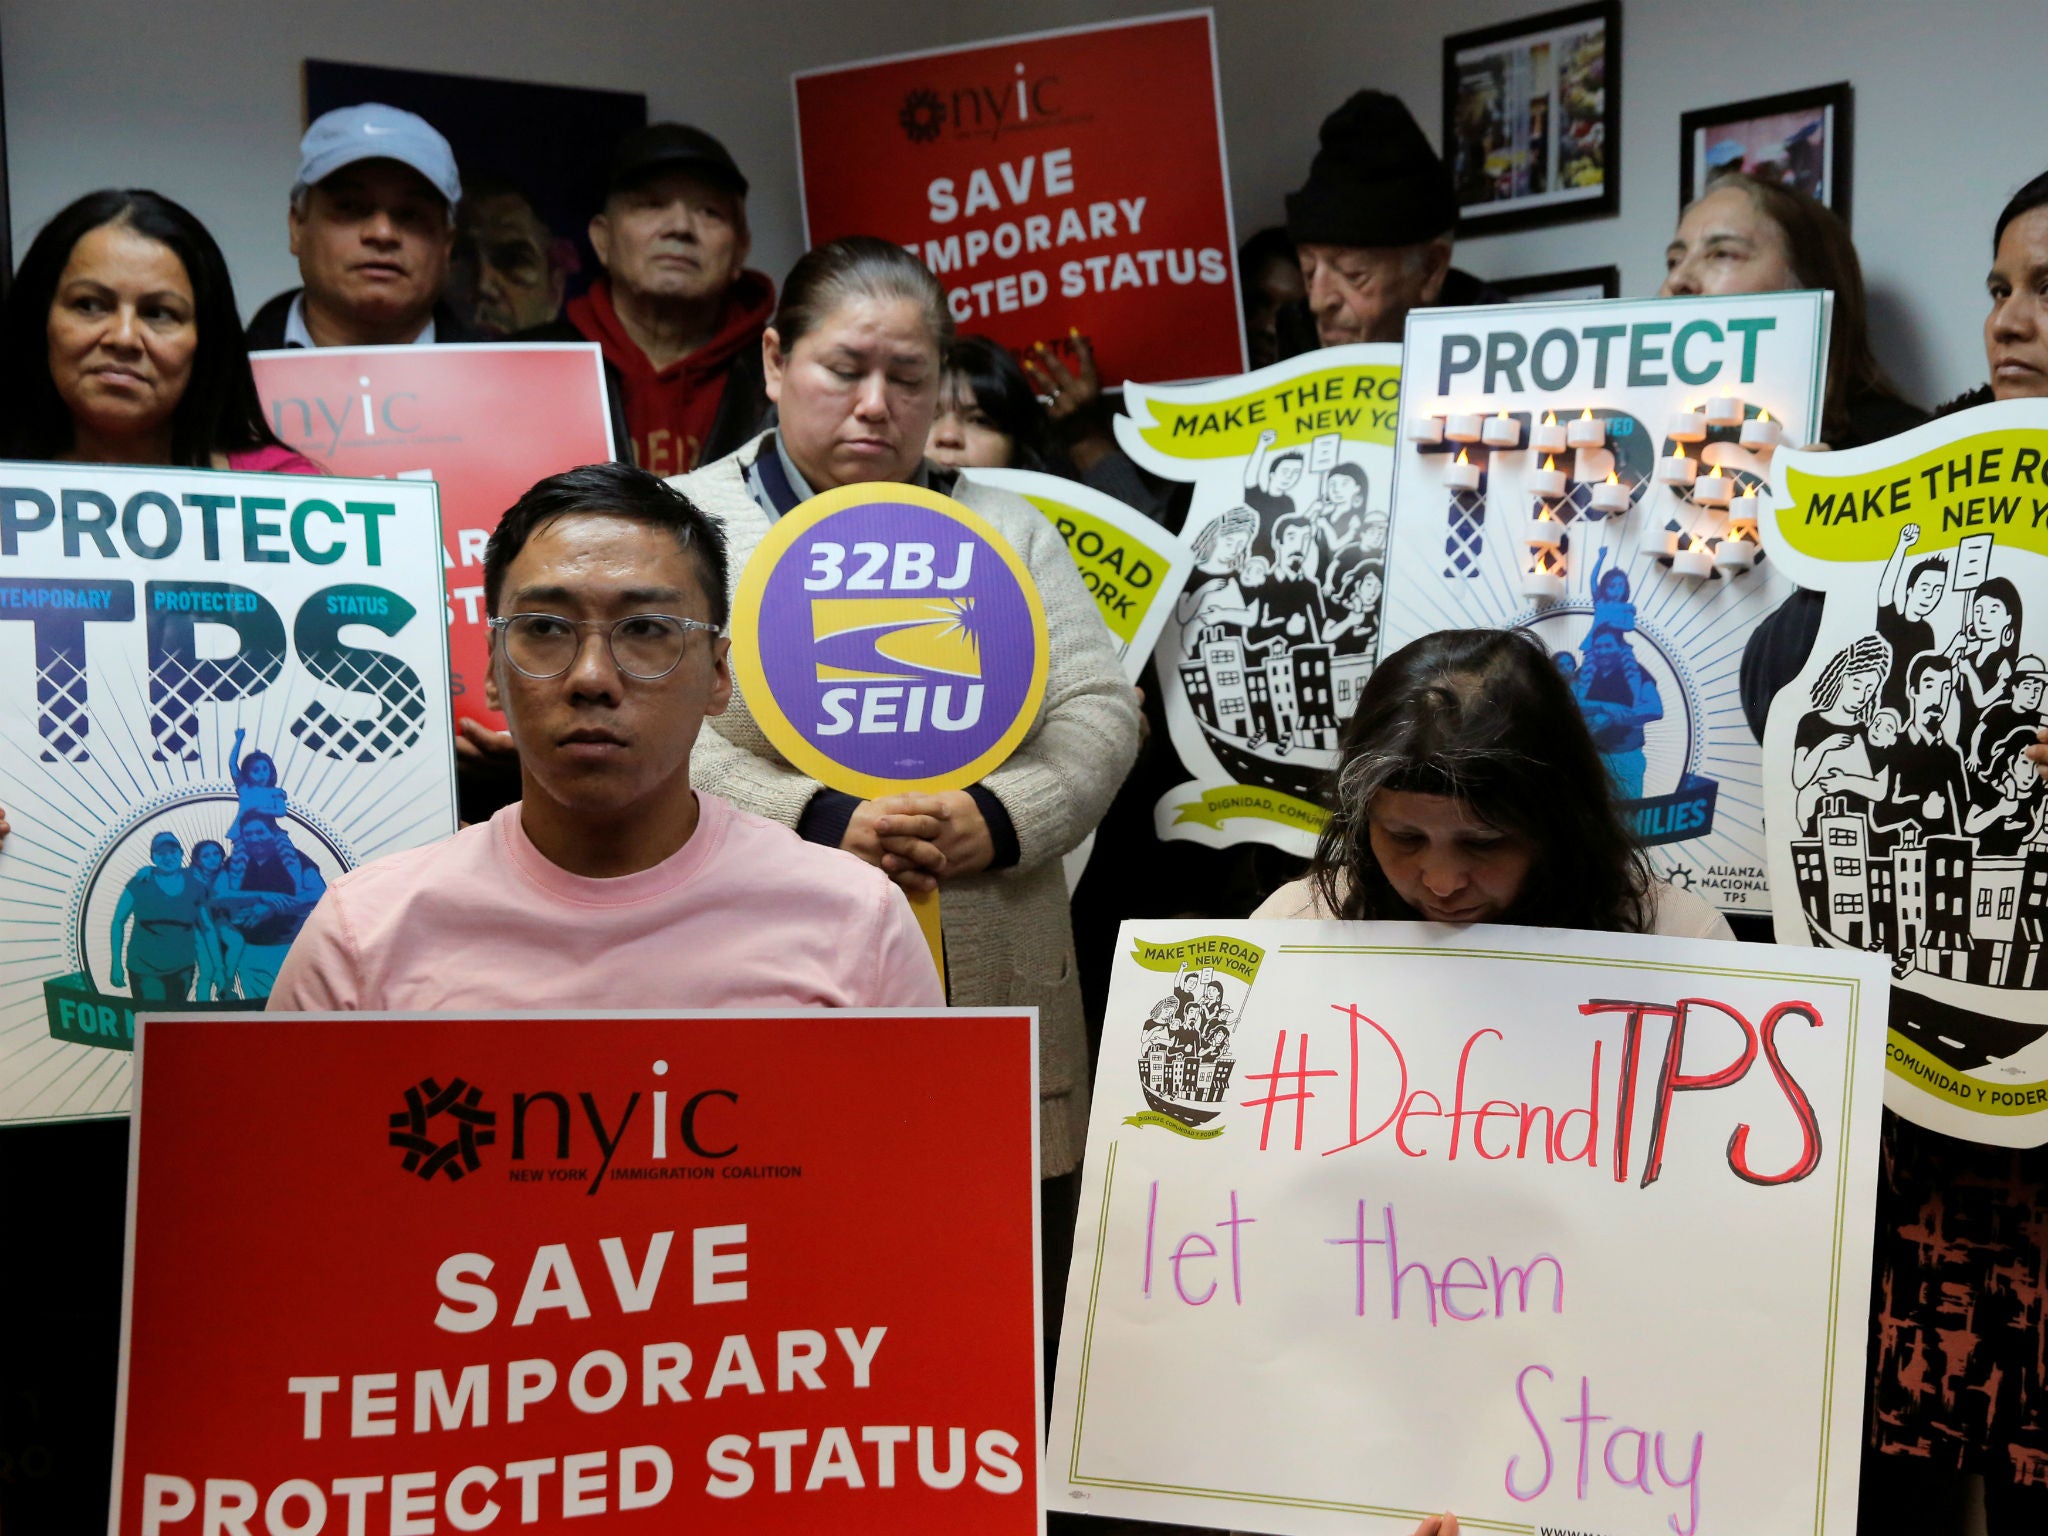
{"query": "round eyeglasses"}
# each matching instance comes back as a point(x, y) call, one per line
point(645, 646)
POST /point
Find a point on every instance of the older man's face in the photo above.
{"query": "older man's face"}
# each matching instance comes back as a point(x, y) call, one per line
point(503, 265)
point(1364, 293)
point(373, 244)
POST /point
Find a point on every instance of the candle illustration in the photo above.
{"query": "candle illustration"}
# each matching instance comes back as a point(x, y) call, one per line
point(1688, 426)
point(1735, 555)
point(1586, 432)
point(1462, 427)
point(1545, 584)
point(1692, 561)
point(1724, 411)
point(1501, 431)
point(1714, 489)
point(1761, 434)
point(1612, 496)
point(1548, 481)
point(1677, 470)
point(1548, 436)
point(1463, 475)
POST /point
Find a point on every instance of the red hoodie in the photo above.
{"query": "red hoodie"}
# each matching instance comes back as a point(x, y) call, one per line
point(670, 411)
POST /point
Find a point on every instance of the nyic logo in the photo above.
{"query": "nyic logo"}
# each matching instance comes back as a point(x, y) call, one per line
point(580, 1137)
point(982, 110)
point(467, 1127)
point(922, 115)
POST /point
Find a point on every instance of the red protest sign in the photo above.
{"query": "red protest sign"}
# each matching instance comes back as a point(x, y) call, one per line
point(484, 422)
point(435, 1274)
point(1069, 178)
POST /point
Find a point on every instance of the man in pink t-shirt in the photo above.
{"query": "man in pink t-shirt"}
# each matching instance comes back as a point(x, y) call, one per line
point(612, 884)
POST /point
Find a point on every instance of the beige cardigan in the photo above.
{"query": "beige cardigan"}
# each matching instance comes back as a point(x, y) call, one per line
point(1009, 939)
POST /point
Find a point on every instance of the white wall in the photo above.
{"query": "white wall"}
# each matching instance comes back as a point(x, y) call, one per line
point(201, 99)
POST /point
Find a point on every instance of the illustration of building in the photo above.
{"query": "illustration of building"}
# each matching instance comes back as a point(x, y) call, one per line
point(1945, 947)
point(1288, 696)
point(1936, 902)
point(1215, 682)
point(1909, 884)
point(1347, 681)
point(1845, 845)
point(1280, 694)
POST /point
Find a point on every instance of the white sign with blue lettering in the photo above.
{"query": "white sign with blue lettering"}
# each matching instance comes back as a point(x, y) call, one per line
point(1593, 472)
point(218, 693)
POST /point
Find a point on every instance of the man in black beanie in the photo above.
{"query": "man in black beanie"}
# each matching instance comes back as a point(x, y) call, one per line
point(1373, 229)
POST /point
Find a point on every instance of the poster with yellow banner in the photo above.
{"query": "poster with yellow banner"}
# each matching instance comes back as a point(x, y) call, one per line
point(1904, 816)
point(1132, 566)
point(1273, 635)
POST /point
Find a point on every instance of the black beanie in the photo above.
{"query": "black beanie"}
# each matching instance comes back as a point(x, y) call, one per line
point(1374, 182)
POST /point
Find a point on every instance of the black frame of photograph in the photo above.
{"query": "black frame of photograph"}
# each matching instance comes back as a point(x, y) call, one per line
point(1608, 202)
point(1538, 283)
point(1840, 98)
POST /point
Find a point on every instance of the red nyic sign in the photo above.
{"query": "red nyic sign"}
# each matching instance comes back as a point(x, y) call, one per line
point(432, 1275)
point(484, 422)
point(1063, 179)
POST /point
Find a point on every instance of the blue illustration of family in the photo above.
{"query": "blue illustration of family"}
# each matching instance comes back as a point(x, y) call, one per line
point(221, 921)
point(1616, 693)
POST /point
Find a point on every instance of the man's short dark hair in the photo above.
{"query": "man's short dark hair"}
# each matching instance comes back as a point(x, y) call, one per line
point(1290, 522)
point(1924, 663)
point(614, 490)
point(1289, 457)
point(1936, 563)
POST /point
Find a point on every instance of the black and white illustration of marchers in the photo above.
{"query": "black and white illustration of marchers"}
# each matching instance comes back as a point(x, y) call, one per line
point(465, 1125)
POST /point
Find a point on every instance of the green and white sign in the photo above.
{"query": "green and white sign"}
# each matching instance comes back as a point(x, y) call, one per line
point(218, 693)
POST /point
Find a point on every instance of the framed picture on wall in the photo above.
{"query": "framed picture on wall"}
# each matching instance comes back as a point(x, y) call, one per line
point(1578, 283)
point(1532, 119)
point(1801, 138)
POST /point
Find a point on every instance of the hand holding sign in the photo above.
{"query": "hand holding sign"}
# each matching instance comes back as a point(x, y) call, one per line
point(900, 835)
point(893, 647)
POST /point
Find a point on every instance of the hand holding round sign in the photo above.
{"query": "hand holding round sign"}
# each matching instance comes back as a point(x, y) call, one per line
point(888, 639)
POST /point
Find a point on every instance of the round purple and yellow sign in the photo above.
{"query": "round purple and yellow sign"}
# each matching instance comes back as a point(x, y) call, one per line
point(887, 638)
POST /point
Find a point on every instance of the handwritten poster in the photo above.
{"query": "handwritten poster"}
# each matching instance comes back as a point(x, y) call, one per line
point(1906, 820)
point(218, 693)
point(1073, 178)
point(625, 1274)
point(1273, 634)
point(1592, 472)
point(1562, 1231)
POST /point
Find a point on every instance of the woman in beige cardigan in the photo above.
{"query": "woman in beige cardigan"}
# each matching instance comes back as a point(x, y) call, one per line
point(853, 364)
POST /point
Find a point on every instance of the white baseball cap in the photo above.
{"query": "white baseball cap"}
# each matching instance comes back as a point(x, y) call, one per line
point(373, 131)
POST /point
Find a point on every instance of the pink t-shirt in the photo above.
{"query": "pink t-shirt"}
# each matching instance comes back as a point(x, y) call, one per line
point(746, 914)
point(273, 459)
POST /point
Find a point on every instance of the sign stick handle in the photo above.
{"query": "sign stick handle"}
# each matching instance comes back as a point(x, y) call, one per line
point(926, 905)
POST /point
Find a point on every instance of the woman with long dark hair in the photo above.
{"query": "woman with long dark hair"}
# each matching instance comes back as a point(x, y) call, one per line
point(1468, 790)
point(1748, 235)
point(989, 416)
point(121, 344)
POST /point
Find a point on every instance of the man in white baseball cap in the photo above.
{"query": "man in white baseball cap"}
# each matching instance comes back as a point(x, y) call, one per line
point(372, 223)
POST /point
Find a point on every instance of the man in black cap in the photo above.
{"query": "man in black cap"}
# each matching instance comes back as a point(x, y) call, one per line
point(1373, 230)
point(677, 313)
